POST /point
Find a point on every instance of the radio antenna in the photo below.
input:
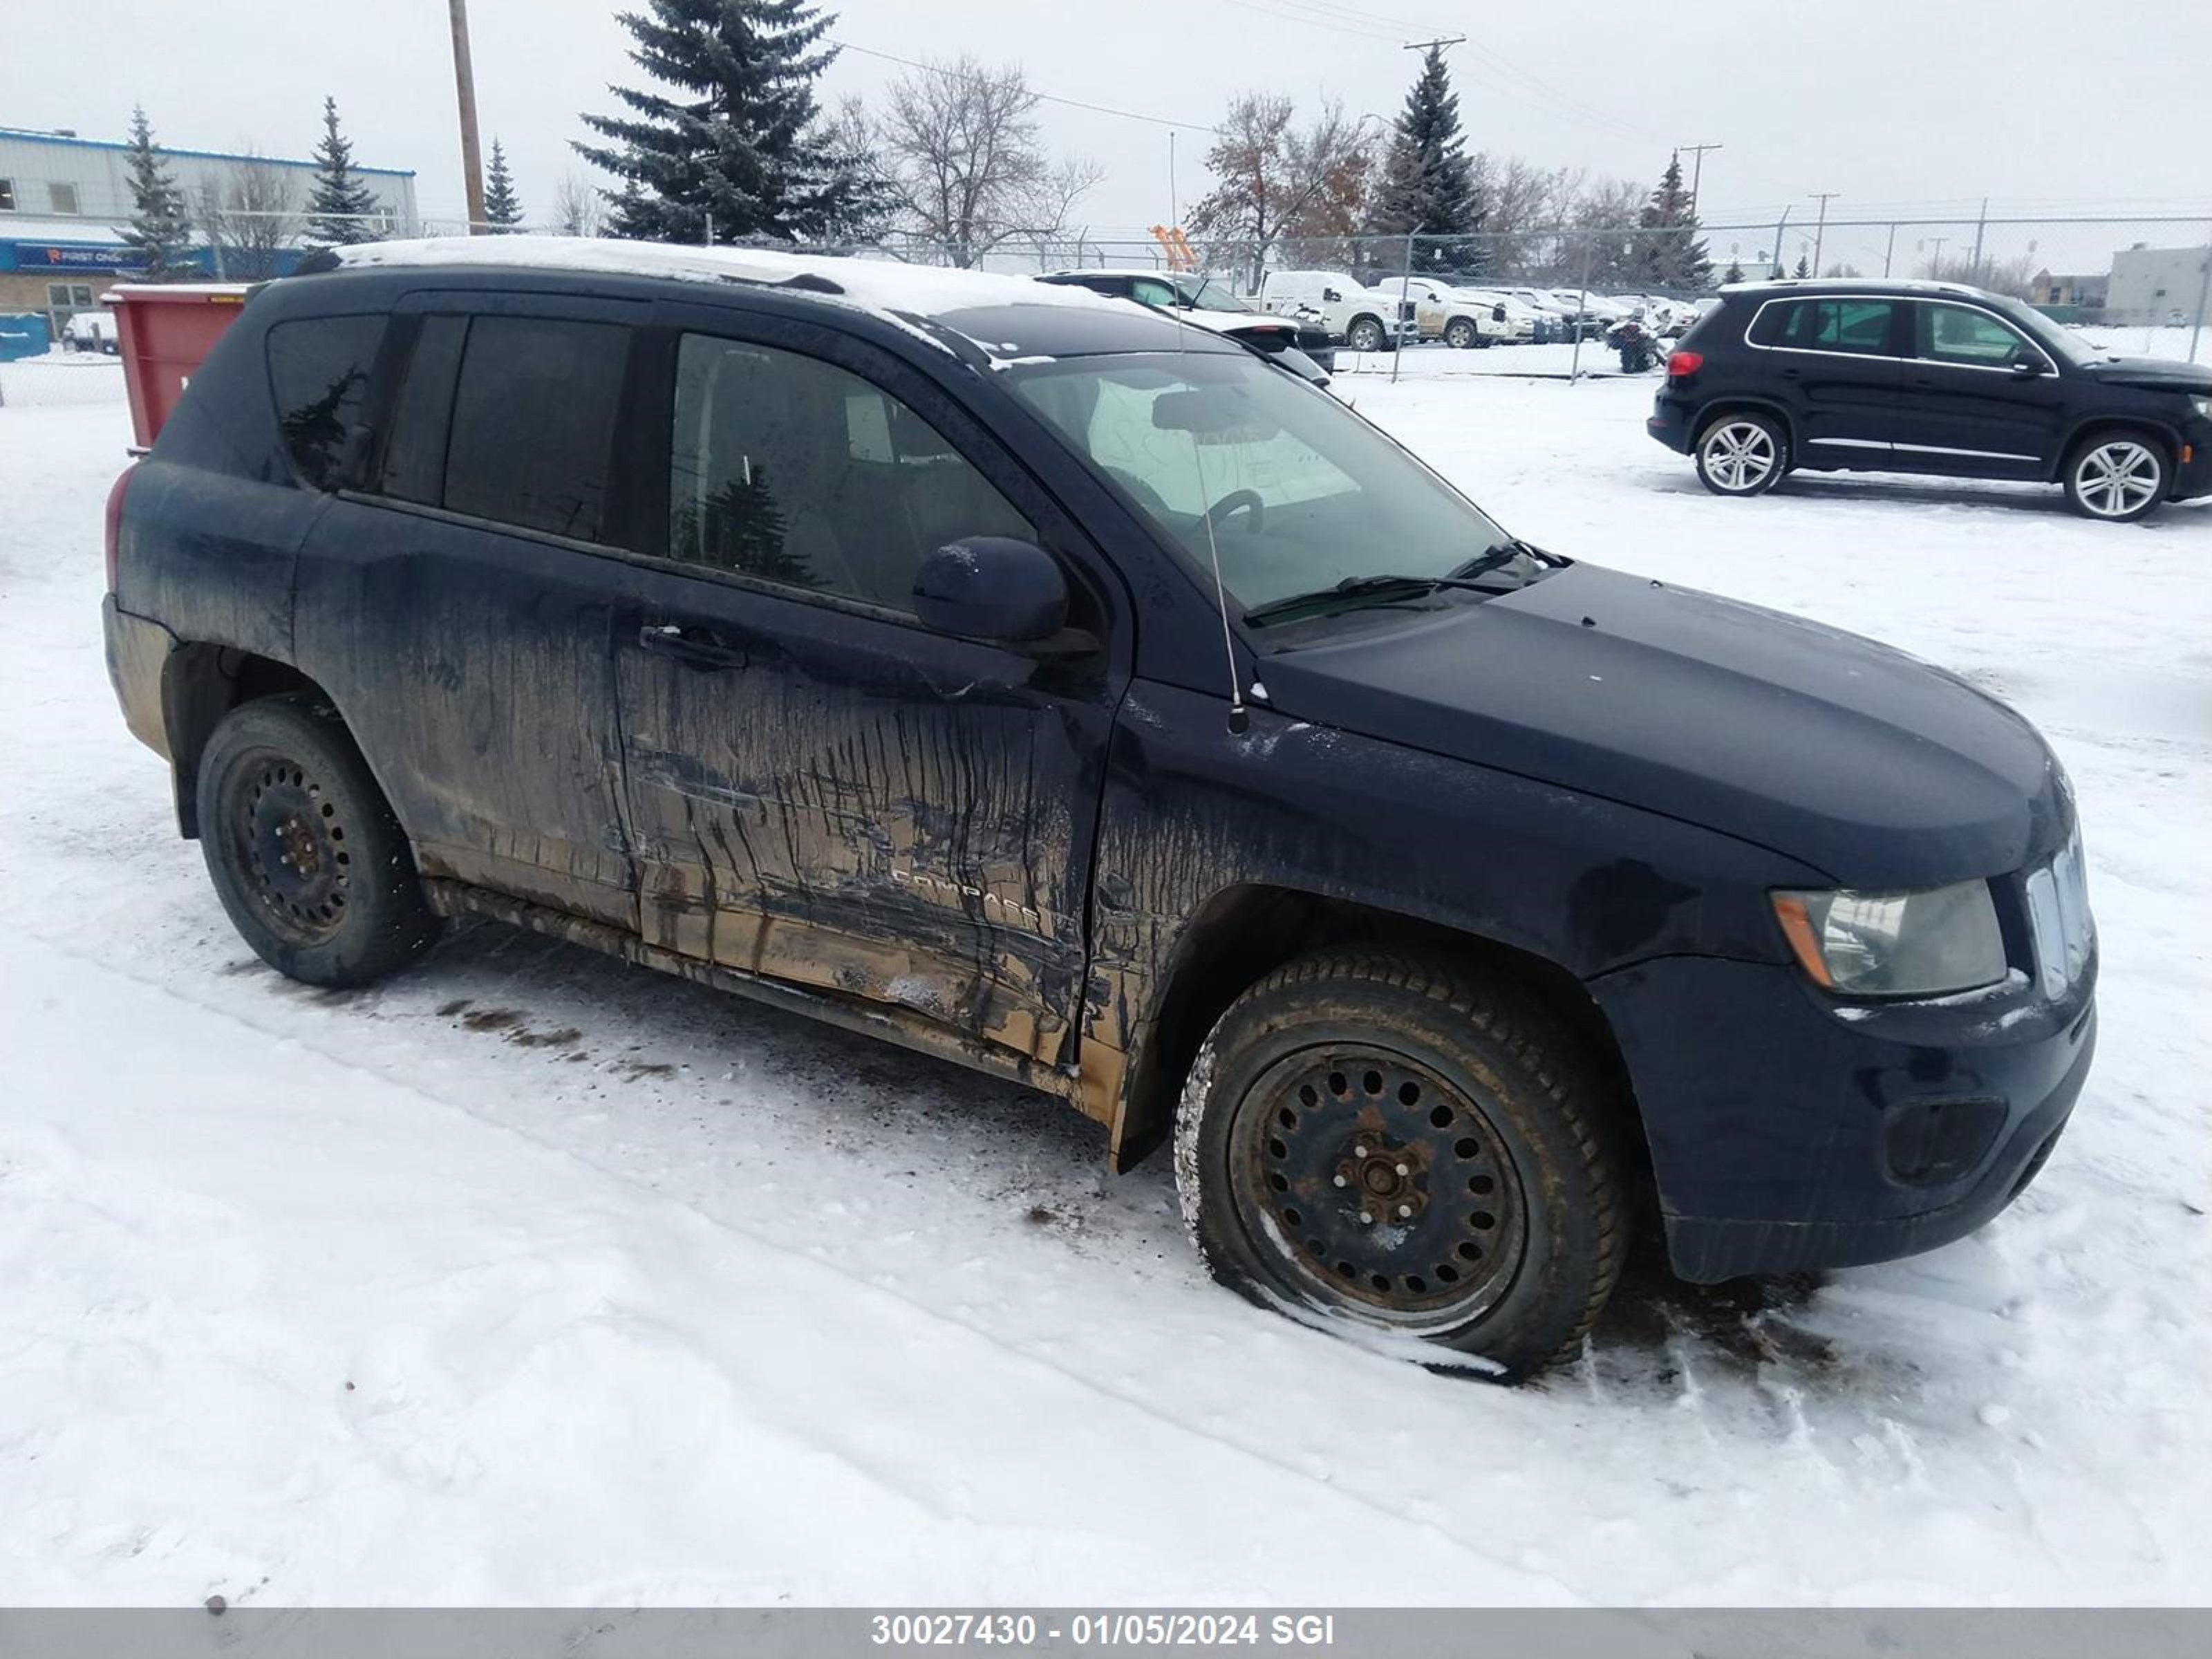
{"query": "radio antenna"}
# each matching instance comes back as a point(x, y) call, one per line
point(1240, 718)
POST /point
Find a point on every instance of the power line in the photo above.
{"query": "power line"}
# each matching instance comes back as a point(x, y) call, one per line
point(1042, 97)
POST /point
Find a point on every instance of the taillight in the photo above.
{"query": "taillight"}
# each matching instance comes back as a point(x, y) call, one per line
point(115, 520)
point(1680, 364)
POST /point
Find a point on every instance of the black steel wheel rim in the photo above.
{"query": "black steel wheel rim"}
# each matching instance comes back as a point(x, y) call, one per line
point(1369, 1182)
point(289, 843)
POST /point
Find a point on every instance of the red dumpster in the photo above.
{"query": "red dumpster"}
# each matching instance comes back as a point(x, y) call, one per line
point(164, 331)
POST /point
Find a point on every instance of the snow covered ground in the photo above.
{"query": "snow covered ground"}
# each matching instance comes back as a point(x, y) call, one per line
point(529, 1278)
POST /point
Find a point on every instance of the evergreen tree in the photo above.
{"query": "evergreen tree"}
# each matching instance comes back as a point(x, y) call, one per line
point(160, 228)
point(742, 154)
point(1428, 181)
point(1669, 253)
point(340, 202)
point(1734, 273)
point(502, 207)
point(1804, 265)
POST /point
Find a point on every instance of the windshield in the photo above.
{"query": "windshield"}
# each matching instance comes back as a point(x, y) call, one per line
point(1304, 495)
point(1204, 294)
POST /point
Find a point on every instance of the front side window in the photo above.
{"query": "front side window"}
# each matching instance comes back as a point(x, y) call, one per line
point(1859, 326)
point(319, 369)
point(533, 423)
point(791, 470)
point(1301, 493)
point(1960, 334)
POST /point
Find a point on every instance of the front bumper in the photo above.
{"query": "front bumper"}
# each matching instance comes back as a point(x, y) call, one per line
point(2193, 477)
point(1788, 1132)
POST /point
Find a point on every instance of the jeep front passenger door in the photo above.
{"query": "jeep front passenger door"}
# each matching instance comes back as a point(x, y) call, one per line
point(823, 791)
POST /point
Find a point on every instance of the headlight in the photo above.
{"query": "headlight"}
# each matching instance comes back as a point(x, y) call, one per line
point(2203, 407)
point(1895, 944)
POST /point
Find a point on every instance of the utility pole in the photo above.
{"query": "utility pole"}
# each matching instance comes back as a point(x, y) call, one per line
point(1442, 42)
point(465, 88)
point(1935, 264)
point(1697, 169)
point(1819, 230)
point(1980, 225)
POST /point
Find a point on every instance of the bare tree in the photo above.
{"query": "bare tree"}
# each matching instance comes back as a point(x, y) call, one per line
point(1276, 181)
point(251, 213)
point(961, 148)
point(577, 210)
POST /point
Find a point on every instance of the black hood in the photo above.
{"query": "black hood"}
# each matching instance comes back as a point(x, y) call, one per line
point(2157, 373)
point(1858, 760)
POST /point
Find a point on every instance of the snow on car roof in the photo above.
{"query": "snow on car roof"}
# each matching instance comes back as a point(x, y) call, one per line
point(882, 285)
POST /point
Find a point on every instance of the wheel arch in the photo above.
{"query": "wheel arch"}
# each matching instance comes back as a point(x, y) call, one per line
point(1736, 403)
point(2086, 427)
point(1244, 932)
point(201, 684)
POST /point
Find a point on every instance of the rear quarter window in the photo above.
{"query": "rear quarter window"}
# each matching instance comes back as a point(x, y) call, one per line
point(319, 370)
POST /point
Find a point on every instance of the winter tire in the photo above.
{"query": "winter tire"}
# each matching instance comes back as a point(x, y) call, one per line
point(1365, 334)
point(1389, 1140)
point(2117, 476)
point(1741, 454)
point(303, 849)
point(1460, 335)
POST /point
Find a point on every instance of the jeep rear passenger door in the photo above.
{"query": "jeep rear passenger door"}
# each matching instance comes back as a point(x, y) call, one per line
point(822, 790)
point(457, 608)
point(1838, 363)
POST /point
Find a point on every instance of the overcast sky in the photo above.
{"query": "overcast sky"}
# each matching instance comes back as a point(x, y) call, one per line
point(1900, 106)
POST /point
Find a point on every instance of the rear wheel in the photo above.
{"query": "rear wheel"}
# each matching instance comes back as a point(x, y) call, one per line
point(2117, 476)
point(1385, 1141)
point(303, 849)
point(1741, 454)
point(1365, 335)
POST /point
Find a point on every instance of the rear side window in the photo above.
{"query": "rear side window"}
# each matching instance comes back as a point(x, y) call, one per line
point(531, 436)
point(1845, 325)
point(319, 369)
point(415, 457)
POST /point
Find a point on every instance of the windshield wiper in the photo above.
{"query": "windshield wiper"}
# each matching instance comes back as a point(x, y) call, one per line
point(1361, 590)
point(1504, 553)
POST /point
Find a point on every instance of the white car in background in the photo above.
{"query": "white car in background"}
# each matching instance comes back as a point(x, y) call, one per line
point(1445, 312)
point(91, 330)
point(1365, 318)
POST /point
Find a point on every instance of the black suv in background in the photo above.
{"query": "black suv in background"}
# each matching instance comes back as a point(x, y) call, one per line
point(1928, 377)
point(1043, 683)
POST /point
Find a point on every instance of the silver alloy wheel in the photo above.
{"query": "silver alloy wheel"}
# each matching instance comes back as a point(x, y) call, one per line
point(1366, 335)
point(1739, 455)
point(2117, 478)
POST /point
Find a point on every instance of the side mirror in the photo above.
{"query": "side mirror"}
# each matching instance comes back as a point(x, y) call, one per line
point(992, 588)
point(2027, 366)
point(1331, 296)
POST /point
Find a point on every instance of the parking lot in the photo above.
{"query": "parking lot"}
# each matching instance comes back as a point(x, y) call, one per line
point(471, 1253)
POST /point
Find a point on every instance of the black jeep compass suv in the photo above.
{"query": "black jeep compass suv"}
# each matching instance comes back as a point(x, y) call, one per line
point(1038, 681)
point(1928, 377)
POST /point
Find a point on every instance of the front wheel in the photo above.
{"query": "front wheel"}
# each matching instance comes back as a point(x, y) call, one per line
point(1386, 1140)
point(1365, 334)
point(303, 849)
point(1460, 335)
point(2117, 477)
point(1742, 455)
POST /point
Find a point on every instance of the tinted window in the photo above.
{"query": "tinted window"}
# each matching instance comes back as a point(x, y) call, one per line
point(533, 422)
point(795, 470)
point(414, 457)
point(1960, 334)
point(1859, 325)
point(319, 370)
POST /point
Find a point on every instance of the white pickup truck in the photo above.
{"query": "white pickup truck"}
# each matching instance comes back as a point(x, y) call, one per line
point(91, 330)
point(1365, 318)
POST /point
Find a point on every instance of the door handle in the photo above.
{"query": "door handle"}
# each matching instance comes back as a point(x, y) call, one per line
point(1791, 374)
point(693, 646)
